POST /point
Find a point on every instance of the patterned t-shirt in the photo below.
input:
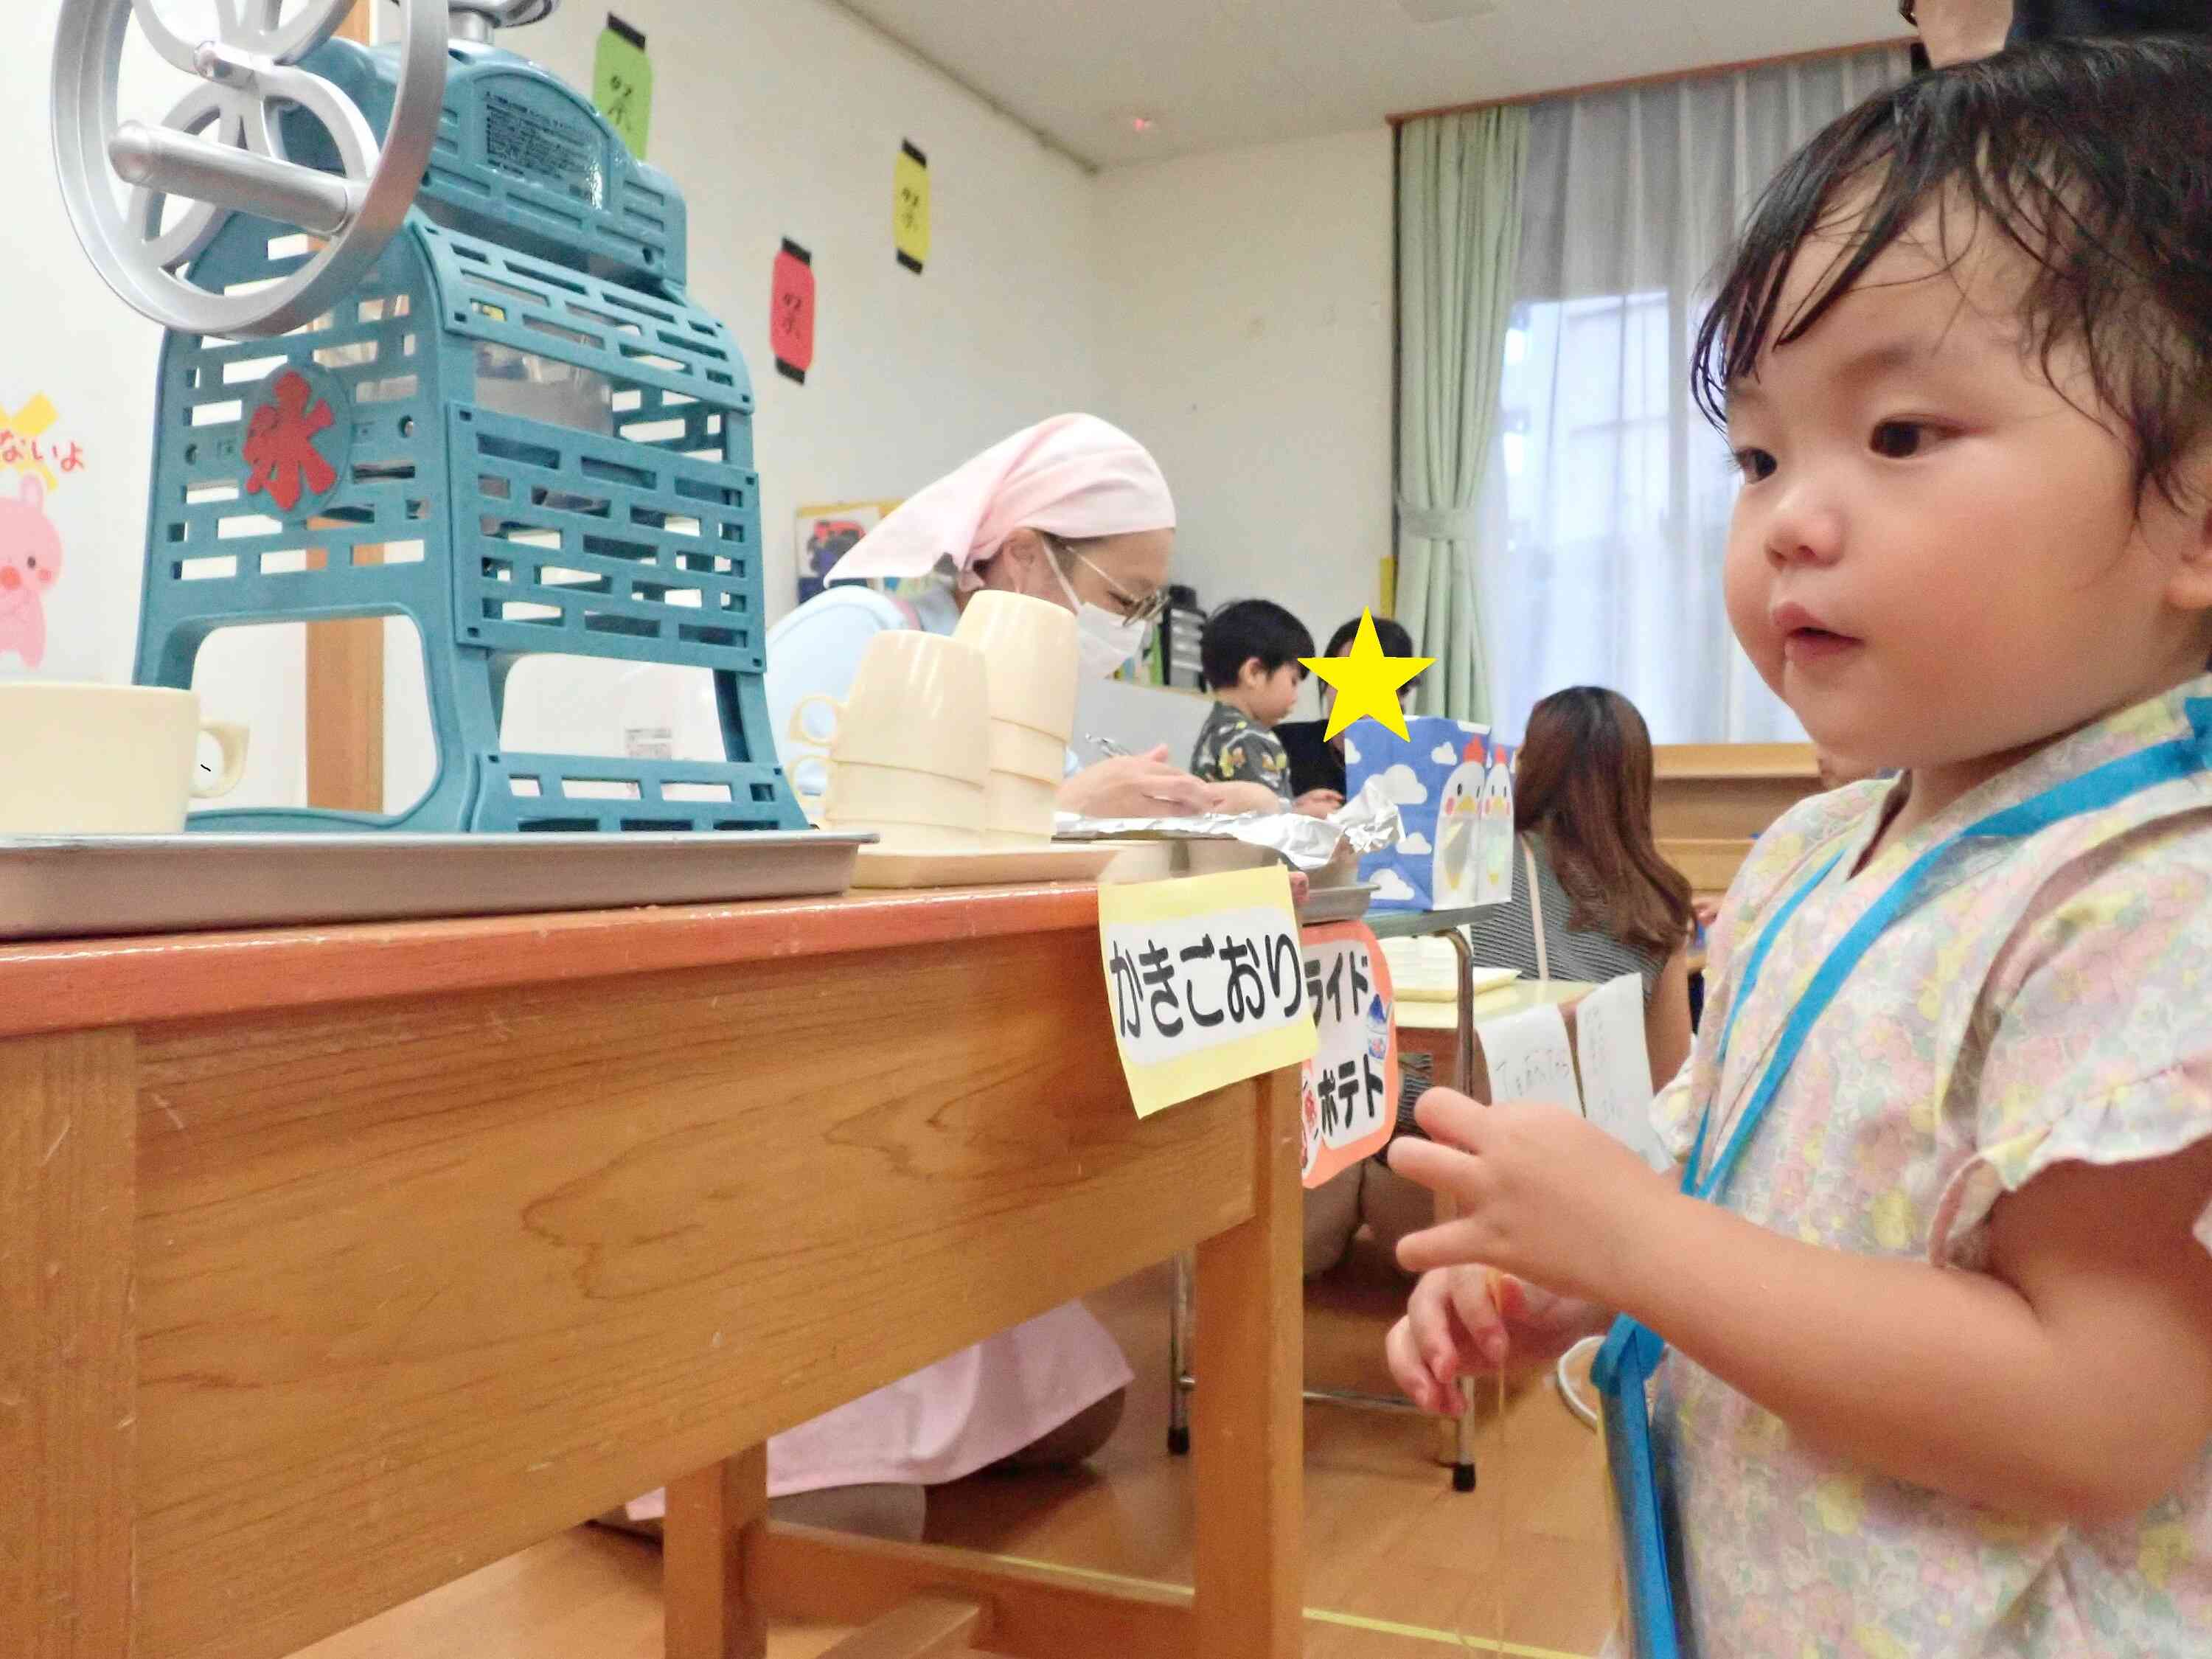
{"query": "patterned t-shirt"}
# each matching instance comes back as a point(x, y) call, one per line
point(1234, 748)
point(2050, 1000)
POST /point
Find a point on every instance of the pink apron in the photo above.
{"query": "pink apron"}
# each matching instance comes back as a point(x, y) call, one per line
point(950, 1419)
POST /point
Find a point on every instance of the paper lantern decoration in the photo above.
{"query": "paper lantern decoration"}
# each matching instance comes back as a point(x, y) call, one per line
point(791, 311)
point(910, 207)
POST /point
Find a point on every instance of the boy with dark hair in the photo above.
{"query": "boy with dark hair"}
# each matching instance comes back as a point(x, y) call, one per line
point(1249, 651)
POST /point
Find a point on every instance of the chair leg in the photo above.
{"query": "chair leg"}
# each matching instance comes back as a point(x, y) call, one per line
point(1463, 1440)
point(1180, 1319)
point(1463, 1430)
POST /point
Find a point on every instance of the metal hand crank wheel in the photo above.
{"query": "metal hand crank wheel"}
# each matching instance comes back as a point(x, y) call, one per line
point(221, 149)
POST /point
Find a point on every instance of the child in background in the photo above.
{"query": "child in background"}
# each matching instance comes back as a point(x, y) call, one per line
point(1249, 652)
point(1938, 1363)
point(1317, 761)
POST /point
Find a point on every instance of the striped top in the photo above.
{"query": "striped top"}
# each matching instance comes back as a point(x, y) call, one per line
point(1506, 937)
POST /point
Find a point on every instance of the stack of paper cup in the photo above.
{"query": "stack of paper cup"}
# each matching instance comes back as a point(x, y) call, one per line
point(904, 763)
point(1029, 659)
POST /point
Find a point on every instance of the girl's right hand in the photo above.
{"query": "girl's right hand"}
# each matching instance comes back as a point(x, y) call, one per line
point(1471, 1321)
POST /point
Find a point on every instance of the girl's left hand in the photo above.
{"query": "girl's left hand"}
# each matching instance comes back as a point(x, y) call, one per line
point(1542, 1193)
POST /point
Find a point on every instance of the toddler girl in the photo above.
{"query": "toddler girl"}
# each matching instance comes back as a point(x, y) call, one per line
point(1939, 1353)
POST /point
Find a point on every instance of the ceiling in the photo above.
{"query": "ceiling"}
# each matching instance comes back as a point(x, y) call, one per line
point(1215, 74)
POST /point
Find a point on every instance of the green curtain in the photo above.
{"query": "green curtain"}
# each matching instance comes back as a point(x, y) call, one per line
point(1459, 244)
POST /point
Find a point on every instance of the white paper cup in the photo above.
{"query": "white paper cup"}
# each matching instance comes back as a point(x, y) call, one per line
point(1028, 648)
point(106, 760)
point(1028, 754)
point(1017, 811)
point(918, 701)
point(860, 793)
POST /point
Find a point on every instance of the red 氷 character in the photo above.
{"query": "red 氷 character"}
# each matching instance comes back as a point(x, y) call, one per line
point(280, 442)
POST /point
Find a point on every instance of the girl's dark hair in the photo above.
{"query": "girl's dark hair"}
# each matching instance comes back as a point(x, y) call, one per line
point(1389, 634)
point(2092, 158)
point(1584, 782)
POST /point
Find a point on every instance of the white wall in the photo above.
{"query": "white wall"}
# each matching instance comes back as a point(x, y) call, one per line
point(1246, 328)
point(778, 118)
point(781, 118)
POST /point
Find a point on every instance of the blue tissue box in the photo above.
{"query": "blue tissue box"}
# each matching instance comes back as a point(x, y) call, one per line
point(1453, 789)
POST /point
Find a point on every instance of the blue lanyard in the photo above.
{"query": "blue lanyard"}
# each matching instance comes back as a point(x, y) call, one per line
point(1631, 1351)
point(2103, 786)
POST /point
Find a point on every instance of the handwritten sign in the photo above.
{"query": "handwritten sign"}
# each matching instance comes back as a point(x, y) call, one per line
point(28, 446)
point(910, 207)
point(1205, 982)
point(621, 83)
point(1527, 1058)
point(1348, 1091)
point(1616, 1065)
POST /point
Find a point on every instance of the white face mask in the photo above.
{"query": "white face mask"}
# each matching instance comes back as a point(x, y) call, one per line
point(1104, 641)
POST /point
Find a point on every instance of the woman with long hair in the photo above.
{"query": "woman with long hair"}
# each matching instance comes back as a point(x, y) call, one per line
point(1610, 904)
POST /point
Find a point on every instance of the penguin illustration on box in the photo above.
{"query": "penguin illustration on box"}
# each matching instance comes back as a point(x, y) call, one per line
point(1455, 874)
point(1497, 836)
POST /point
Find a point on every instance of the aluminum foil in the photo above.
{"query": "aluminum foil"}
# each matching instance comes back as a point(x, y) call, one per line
point(1367, 822)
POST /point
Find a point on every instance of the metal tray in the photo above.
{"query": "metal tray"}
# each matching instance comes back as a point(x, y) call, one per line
point(1348, 904)
point(76, 886)
point(986, 866)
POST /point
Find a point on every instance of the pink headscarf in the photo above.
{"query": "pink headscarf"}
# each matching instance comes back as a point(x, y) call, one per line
point(1073, 475)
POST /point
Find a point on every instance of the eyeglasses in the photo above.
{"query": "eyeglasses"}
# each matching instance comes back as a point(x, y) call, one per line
point(1144, 608)
point(1905, 9)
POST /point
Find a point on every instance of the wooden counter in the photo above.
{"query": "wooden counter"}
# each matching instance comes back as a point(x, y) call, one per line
point(338, 1262)
point(1711, 801)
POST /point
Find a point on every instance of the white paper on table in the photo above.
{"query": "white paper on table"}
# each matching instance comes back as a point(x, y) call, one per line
point(1527, 1058)
point(1616, 1066)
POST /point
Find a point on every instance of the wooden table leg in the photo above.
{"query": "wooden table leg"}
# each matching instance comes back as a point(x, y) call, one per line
point(69, 1137)
point(1247, 1431)
point(712, 1518)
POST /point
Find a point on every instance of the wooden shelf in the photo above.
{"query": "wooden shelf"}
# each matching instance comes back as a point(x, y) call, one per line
point(1673, 761)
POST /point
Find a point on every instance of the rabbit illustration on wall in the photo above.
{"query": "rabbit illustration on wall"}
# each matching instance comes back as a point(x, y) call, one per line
point(30, 563)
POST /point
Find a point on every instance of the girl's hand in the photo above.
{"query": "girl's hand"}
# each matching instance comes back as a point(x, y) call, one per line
point(1469, 1321)
point(1135, 787)
point(1317, 803)
point(1541, 1193)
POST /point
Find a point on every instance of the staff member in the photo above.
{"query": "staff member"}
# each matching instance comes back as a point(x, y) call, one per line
point(1959, 31)
point(1075, 512)
point(1071, 511)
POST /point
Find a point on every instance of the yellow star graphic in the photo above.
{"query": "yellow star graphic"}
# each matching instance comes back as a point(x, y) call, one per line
point(1367, 682)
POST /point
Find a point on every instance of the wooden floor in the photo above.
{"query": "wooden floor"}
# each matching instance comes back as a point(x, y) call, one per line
point(1388, 1543)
